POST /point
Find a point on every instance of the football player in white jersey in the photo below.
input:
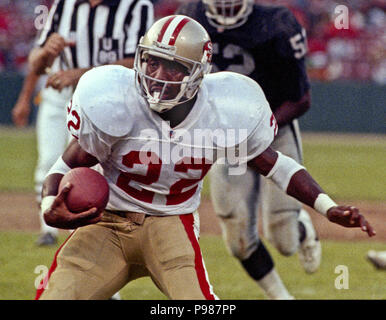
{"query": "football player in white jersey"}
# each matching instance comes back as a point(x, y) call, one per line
point(257, 41)
point(155, 131)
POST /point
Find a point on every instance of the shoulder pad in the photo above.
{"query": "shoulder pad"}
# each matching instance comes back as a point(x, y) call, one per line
point(274, 19)
point(102, 94)
point(284, 21)
point(238, 101)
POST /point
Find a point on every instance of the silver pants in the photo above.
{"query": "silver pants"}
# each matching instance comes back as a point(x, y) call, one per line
point(237, 199)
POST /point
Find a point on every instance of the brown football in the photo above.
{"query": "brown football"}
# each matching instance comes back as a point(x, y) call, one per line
point(89, 189)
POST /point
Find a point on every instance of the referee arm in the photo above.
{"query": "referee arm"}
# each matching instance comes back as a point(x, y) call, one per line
point(41, 58)
point(66, 78)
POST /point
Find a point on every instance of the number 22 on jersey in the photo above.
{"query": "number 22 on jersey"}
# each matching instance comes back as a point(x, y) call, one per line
point(73, 125)
point(176, 194)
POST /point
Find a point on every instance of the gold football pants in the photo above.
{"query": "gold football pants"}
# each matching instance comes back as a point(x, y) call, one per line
point(97, 260)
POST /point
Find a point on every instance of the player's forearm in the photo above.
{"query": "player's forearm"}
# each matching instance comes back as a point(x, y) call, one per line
point(74, 156)
point(55, 212)
point(289, 110)
point(49, 192)
point(53, 178)
point(304, 188)
point(55, 174)
point(292, 178)
point(51, 184)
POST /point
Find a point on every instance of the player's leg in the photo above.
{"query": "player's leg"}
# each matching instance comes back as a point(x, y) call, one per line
point(174, 259)
point(90, 265)
point(52, 138)
point(285, 223)
point(235, 202)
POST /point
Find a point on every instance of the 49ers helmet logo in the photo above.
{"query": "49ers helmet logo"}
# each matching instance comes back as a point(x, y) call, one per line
point(208, 49)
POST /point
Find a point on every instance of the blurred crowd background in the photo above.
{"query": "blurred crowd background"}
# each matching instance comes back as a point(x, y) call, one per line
point(356, 53)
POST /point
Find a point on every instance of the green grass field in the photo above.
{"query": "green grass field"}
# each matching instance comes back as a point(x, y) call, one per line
point(19, 258)
point(346, 168)
point(18, 159)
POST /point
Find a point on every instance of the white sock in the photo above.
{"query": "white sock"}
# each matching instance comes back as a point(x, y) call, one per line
point(274, 287)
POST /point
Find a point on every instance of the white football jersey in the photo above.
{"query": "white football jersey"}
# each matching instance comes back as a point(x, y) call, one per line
point(151, 167)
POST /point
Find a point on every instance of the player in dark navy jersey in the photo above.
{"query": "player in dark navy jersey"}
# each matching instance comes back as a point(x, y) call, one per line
point(269, 45)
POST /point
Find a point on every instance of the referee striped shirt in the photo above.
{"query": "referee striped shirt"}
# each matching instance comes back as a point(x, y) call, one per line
point(103, 34)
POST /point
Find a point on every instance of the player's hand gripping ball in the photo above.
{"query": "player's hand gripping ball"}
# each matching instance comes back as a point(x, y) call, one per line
point(89, 189)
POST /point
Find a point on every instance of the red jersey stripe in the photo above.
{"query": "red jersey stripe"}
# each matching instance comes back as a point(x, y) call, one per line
point(44, 282)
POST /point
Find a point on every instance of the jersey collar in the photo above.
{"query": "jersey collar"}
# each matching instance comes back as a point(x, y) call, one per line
point(187, 123)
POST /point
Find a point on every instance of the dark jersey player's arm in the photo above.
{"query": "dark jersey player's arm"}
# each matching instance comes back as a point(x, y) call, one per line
point(291, 47)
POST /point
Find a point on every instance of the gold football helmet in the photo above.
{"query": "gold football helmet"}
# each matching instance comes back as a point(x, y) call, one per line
point(227, 14)
point(179, 39)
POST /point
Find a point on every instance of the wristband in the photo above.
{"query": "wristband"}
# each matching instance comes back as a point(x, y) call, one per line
point(323, 203)
point(283, 170)
point(47, 203)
